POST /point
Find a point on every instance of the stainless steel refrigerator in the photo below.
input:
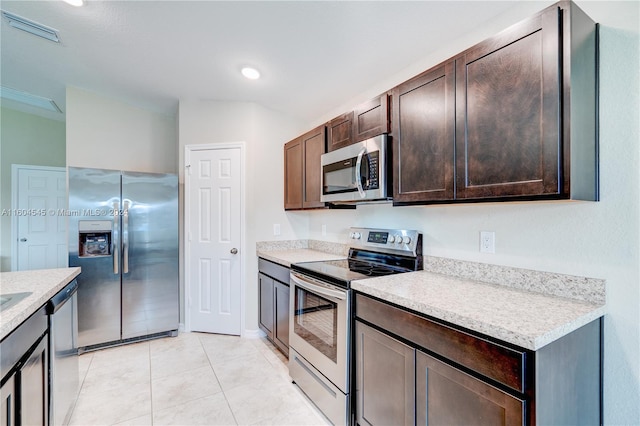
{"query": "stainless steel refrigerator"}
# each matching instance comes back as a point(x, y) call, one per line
point(123, 233)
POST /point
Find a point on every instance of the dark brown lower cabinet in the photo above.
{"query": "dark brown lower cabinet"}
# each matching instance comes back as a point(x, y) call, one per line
point(412, 369)
point(385, 374)
point(274, 303)
point(281, 304)
point(447, 396)
point(34, 386)
point(24, 373)
point(8, 395)
point(265, 287)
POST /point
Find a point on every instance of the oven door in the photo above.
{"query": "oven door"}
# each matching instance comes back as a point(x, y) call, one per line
point(318, 328)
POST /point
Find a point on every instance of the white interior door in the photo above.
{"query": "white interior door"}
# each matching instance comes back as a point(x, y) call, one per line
point(40, 226)
point(213, 218)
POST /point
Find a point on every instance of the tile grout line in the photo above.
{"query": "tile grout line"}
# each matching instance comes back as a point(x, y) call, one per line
point(220, 384)
point(81, 384)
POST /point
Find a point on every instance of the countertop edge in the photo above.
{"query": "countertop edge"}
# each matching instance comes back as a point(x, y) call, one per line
point(16, 315)
point(288, 256)
point(530, 342)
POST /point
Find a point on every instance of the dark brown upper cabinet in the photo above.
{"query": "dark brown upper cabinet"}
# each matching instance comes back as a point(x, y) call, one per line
point(519, 97)
point(423, 137)
point(508, 109)
point(371, 118)
point(340, 132)
point(302, 179)
point(511, 118)
point(293, 174)
point(313, 147)
point(367, 120)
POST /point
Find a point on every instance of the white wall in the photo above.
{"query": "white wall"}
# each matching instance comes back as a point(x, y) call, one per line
point(106, 133)
point(264, 131)
point(594, 239)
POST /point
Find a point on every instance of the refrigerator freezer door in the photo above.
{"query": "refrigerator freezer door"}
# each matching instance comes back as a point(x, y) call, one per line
point(149, 254)
point(94, 199)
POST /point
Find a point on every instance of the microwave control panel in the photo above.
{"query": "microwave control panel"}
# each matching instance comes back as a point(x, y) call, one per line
point(371, 180)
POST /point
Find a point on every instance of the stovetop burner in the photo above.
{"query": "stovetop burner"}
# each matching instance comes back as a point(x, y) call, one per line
point(375, 253)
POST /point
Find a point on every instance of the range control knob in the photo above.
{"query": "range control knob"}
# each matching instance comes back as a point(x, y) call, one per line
point(406, 240)
point(391, 239)
point(356, 235)
point(398, 239)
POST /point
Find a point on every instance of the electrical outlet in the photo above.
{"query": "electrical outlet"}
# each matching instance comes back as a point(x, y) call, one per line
point(276, 229)
point(324, 230)
point(487, 242)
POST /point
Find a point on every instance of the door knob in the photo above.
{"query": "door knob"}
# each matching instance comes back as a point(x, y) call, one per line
point(23, 240)
point(234, 250)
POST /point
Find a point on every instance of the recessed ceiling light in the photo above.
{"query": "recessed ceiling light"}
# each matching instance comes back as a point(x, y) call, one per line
point(30, 26)
point(76, 3)
point(29, 99)
point(250, 73)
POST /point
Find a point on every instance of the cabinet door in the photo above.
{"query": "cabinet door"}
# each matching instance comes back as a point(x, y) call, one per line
point(34, 386)
point(508, 113)
point(423, 137)
point(293, 175)
point(265, 287)
point(371, 118)
point(385, 379)
point(281, 306)
point(340, 131)
point(313, 148)
point(447, 396)
point(8, 403)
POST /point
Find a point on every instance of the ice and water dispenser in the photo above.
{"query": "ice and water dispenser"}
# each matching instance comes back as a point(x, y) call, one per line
point(95, 238)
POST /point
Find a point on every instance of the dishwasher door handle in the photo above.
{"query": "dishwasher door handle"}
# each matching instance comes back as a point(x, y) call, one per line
point(61, 297)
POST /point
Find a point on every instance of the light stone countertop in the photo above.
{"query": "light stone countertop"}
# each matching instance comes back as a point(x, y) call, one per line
point(526, 319)
point(288, 256)
point(43, 285)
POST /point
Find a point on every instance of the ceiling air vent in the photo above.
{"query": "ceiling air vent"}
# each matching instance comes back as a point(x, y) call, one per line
point(32, 27)
point(29, 99)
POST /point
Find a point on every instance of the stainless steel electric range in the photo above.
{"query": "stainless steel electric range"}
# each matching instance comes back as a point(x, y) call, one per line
point(320, 313)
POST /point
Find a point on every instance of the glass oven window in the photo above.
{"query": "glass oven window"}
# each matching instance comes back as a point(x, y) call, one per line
point(316, 321)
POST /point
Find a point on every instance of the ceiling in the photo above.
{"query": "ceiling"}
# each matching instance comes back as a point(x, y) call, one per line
point(313, 55)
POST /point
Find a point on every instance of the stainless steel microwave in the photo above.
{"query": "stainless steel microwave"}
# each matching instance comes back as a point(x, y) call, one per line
point(356, 173)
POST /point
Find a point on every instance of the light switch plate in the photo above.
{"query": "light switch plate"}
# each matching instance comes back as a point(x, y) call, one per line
point(276, 229)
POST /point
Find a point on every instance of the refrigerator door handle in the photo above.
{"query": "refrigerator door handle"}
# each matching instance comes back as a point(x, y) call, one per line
point(114, 241)
point(125, 237)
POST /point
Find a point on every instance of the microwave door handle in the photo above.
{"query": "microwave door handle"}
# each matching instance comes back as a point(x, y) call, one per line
point(358, 175)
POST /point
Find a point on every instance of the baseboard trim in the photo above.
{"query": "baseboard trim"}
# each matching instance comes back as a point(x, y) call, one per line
point(253, 334)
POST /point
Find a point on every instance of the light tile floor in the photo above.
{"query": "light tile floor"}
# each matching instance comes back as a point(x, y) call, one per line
point(192, 379)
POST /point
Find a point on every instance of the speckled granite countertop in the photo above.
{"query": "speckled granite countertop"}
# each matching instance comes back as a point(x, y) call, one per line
point(289, 256)
point(43, 285)
point(530, 320)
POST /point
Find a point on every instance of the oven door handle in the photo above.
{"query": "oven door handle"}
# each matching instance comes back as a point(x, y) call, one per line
point(315, 288)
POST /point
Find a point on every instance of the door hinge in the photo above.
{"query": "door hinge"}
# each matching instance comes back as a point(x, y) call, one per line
point(188, 167)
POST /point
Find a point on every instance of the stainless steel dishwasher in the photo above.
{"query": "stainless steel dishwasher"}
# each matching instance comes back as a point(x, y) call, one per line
point(63, 353)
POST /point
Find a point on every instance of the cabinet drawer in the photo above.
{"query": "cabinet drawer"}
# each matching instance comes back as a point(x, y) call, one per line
point(497, 362)
point(279, 272)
